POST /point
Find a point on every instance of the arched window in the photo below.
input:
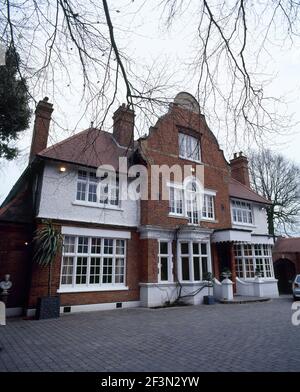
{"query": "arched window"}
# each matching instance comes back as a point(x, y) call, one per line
point(193, 200)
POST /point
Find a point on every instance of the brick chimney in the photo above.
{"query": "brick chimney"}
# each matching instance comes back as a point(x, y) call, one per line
point(41, 127)
point(124, 125)
point(239, 169)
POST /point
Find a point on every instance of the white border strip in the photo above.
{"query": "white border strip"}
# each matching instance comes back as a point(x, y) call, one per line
point(83, 231)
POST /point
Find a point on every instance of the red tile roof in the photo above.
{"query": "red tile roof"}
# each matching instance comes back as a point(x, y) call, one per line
point(287, 245)
point(91, 147)
point(241, 191)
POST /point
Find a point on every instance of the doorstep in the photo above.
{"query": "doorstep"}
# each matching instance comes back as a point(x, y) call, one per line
point(241, 299)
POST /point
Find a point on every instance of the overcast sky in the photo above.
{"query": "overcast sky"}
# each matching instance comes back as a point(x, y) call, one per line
point(145, 39)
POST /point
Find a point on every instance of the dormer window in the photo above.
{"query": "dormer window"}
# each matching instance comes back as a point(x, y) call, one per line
point(189, 147)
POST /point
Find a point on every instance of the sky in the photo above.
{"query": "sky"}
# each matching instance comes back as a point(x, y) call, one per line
point(146, 39)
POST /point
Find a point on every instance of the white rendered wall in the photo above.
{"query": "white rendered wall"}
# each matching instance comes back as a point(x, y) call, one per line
point(58, 201)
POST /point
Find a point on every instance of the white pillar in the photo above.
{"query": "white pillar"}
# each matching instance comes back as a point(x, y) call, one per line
point(2, 314)
point(258, 287)
point(227, 289)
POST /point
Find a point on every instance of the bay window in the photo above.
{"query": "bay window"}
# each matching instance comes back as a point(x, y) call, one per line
point(252, 258)
point(93, 262)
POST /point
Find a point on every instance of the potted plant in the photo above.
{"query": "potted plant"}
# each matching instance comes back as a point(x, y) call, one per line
point(209, 299)
point(47, 242)
point(226, 273)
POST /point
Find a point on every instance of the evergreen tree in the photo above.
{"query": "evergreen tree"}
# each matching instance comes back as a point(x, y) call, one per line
point(14, 104)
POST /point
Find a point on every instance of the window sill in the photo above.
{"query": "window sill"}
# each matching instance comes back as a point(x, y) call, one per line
point(96, 205)
point(243, 224)
point(91, 289)
point(209, 220)
point(191, 160)
point(177, 216)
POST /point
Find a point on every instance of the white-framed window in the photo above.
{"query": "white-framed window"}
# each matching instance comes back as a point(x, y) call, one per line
point(165, 273)
point(87, 184)
point(242, 212)
point(189, 147)
point(93, 262)
point(193, 202)
point(176, 200)
point(208, 208)
point(193, 260)
point(252, 257)
point(188, 201)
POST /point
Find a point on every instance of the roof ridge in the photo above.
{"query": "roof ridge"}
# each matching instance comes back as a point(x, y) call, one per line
point(250, 189)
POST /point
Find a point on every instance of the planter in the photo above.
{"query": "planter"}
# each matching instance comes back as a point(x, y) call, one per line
point(208, 300)
point(47, 307)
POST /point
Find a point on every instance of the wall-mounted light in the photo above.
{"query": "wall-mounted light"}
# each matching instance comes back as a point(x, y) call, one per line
point(192, 169)
point(25, 243)
point(62, 169)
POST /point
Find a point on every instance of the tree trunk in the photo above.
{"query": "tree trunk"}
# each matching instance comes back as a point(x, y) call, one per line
point(270, 213)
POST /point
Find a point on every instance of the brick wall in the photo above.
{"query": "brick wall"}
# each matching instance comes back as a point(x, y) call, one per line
point(39, 280)
point(161, 147)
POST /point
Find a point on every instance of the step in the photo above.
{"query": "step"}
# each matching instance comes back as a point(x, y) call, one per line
point(239, 299)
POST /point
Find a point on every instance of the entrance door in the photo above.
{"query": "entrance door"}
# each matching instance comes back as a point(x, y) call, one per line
point(285, 272)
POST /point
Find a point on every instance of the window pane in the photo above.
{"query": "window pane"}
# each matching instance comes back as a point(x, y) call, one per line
point(119, 271)
point(184, 248)
point(67, 270)
point(196, 268)
point(82, 244)
point(120, 247)
point(96, 246)
point(95, 270)
point(81, 191)
point(204, 266)
point(107, 269)
point(185, 268)
point(69, 244)
point(163, 248)
point(92, 193)
point(203, 248)
point(108, 246)
point(163, 268)
point(196, 248)
point(81, 270)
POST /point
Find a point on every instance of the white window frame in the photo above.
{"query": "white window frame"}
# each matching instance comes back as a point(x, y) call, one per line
point(184, 143)
point(87, 286)
point(91, 180)
point(191, 256)
point(174, 211)
point(206, 208)
point(169, 256)
point(236, 210)
point(174, 204)
point(265, 257)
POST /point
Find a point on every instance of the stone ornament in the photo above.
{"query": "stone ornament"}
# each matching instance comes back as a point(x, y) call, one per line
point(5, 284)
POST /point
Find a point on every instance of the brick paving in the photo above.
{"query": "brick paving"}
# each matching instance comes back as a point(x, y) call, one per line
point(243, 337)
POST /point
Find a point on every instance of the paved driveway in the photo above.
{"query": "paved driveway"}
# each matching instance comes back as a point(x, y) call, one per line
point(247, 337)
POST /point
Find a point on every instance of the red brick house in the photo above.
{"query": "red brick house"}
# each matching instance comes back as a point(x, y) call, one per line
point(133, 252)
